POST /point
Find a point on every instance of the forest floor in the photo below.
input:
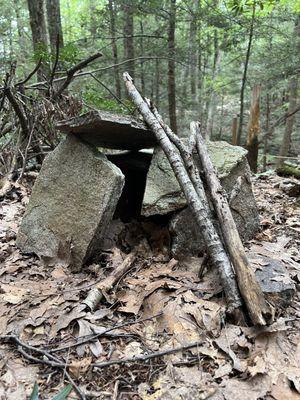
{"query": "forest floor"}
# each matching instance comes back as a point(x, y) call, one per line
point(158, 305)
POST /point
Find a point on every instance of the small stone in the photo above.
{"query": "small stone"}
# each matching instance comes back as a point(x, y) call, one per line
point(275, 282)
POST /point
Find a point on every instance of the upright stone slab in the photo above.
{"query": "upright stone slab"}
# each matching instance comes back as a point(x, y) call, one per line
point(163, 195)
point(72, 203)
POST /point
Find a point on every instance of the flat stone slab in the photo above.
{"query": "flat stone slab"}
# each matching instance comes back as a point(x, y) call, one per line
point(108, 130)
point(71, 205)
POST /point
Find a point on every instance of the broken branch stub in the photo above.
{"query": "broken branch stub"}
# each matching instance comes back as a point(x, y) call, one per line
point(213, 243)
point(259, 311)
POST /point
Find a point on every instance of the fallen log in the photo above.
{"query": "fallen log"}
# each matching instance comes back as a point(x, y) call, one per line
point(260, 312)
point(198, 206)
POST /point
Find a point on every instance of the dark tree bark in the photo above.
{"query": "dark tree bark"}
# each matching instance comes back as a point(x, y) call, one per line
point(112, 20)
point(128, 30)
point(193, 46)
point(39, 33)
point(54, 25)
point(267, 128)
point(171, 66)
point(142, 62)
point(244, 79)
point(211, 107)
point(157, 82)
point(234, 129)
point(253, 129)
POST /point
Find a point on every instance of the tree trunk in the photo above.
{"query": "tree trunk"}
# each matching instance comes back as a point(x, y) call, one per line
point(39, 33)
point(112, 20)
point(54, 25)
point(244, 79)
point(93, 19)
point(265, 147)
point(253, 129)
point(293, 89)
point(128, 29)
point(157, 82)
point(234, 130)
point(142, 62)
point(21, 34)
point(286, 140)
point(211, 109)
point(193, 52)
point(171, 66)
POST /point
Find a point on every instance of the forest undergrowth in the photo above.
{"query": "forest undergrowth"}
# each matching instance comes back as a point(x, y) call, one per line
point(161, 303)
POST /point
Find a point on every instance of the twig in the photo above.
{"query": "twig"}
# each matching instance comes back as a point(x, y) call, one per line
point(55, 62)
point(46, 360)
point(90, 338)
point(101, 69)
point(71, 72)
point(36, 68)
point(109, 91)
point(18, 111)
point(146, 357)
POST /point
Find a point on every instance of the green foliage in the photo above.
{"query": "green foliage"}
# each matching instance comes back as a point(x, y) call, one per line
point(246, 6)
point(62, 395)
point(94, 98)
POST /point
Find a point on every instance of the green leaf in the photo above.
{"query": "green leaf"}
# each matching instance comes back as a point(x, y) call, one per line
point(35, 392)
point(64, 393)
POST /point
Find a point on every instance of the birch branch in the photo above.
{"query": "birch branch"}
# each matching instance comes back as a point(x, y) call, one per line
point(214, 245)
point(259, 311)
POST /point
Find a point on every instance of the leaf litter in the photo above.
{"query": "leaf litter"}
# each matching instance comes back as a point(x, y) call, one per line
point(159, 304)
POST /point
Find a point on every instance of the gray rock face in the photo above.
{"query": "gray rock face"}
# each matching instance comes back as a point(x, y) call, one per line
point(275, 282)
point(108, 130)
point(72, 203)
point(163, 195)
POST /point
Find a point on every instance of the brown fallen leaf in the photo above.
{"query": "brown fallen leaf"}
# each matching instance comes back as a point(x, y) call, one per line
point(79, 367)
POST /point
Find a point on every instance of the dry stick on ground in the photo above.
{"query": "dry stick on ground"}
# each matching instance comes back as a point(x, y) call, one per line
point(95, 295)
point(147, 357)
point(260, 312)
point(48, 359)
point(91, 338)
point(213, 243)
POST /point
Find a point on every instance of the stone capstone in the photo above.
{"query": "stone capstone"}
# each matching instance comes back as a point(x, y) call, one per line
point(72, 204)
point(163, 195)
point(109, 130)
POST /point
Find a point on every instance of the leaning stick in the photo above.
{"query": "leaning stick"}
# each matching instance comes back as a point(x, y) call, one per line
point(214, 245)
point(258, 309)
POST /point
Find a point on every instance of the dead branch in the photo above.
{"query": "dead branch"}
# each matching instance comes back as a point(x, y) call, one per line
point(71, 72)
point(91, 338)
point(47, 358)
point(259, 311)
point(144, 358)
point(213, 243)
point(95, 295)
point(30, 75)
point(20, 114)
point(57, 48)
